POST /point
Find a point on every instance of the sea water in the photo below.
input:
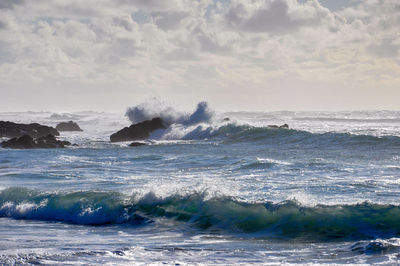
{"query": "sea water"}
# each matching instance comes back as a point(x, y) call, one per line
point(207, 190)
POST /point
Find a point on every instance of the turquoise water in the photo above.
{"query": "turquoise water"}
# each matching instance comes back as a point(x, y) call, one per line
point(209, 192)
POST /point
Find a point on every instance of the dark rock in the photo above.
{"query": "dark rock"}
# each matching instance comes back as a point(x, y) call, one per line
point(49, 141)
point(138, 131)
point(68, 126)
point(226, 119)
point(23, 142)
point(135, 144)
point(275, 126)
point(67, 143)
point(27, 142)
point(35, 130)
point(284, 126)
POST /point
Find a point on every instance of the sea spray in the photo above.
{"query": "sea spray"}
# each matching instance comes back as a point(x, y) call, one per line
point(157, 108)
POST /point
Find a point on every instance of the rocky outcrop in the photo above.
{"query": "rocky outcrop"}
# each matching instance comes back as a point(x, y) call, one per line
point(27, 142)
point(24, 142)
point(35, 130)
point(138, 131)
point(68, 126)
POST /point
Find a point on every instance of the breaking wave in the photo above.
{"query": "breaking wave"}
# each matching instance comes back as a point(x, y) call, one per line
point(287, 220)
point(157, 108)
point(86, 208)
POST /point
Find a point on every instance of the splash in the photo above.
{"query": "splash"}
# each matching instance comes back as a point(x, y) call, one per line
point(157, 108)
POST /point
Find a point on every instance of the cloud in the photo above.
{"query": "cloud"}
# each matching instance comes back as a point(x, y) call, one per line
point(10, 4)
point(195, 48)
point(6, 55)
point(168, 20)
point(3, 25)
point(386, 48)
point(126, 22)
point(274, 16)
point(149, 4)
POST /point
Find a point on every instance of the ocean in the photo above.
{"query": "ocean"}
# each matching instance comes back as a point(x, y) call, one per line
point(208, 190)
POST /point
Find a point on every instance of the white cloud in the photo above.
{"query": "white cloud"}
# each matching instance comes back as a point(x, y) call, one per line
point(221, 48)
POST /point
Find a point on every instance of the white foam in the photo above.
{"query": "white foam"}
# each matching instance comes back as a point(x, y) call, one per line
point(157, 108)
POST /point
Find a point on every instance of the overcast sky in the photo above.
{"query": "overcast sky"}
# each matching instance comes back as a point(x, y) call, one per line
point(68, 55)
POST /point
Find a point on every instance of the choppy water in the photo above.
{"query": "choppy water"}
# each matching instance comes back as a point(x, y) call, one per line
point(207, 192)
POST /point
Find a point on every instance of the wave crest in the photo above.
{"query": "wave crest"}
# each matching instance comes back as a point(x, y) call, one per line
point(86, 208)
point(156, 108)
point(288, 219)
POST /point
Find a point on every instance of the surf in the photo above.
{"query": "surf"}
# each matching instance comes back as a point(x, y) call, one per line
point(228, 215)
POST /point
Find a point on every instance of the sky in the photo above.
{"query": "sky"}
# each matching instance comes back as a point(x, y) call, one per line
point(265, 55)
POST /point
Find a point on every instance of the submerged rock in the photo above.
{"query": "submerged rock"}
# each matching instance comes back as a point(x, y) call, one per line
point(35, 130)
point(138, 131)
point(284, 126)
point(68, 126)
point(276, 126)
point(136, 144)
point(27, 142)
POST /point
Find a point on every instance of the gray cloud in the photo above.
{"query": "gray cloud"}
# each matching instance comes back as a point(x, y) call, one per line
point(3, 25)
point(385, 49)
point(168, 20)
point(272, 17)
point(211, 45)
point(124, 47)
point(5, 53)
point(126, 22)
point(10, 4)
point(181, 54)
point(149, 4)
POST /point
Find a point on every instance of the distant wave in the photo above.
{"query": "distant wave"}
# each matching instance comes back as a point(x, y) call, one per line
point(288, 219)
point(233, 133)
point(65, 116)
point(347, 120)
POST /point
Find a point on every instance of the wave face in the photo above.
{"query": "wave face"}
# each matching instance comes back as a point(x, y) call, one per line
point(86, 208)
point(287, 220)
